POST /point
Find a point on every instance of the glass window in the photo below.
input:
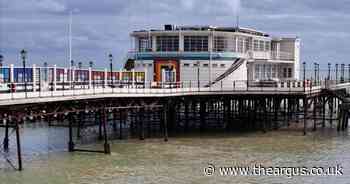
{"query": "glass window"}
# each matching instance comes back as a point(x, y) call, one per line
point(248, 44)
point(224, 44)
point(167, 43)
point(196, 43)
point(145, 44)
point(289, 72)
point(186, 65)
point(274, 69)
point(257, 71)
point(240, 45)
point(205, 65)
point(215, 65)
point(285, 72)
point(223, 65)
point(261, 45)
point(256, 45)
point(267, 46)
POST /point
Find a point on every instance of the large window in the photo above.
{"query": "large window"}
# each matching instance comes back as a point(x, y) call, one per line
point(196, 43)
point(224, 44)
point(240, 45)
point(145, 44)
point(167, 43)
point(267, 46)
point(256, 45)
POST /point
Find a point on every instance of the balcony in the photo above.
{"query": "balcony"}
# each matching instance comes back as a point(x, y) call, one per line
point(185, 55)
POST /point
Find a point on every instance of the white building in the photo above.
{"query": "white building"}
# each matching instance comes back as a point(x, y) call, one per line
point(212, 54)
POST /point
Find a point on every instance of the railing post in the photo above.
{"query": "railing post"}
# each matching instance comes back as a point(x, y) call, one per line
point(90, 77)
point(34, 77)
point(133, 78)
point(12, 79)
point(54, 83)
point(105, 78)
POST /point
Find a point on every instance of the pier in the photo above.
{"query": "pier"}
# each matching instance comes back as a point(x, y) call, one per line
point(146, 109)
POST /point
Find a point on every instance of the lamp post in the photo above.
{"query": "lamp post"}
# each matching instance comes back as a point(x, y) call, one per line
point(71, 73)
point(111, 69)
point(91, 64)
point(304, 75)
point(23, 56)
point(342, 74)
point(315, 66)
point(336, 73)
point(349, 72)
point(329, 71)
point(198, 83)
point(80, 66)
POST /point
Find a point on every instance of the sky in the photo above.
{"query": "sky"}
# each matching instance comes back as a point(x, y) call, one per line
point(102, 27)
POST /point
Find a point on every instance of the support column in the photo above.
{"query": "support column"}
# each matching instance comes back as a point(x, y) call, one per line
point(314, 113)
point(107, 148)
point(19, 151)
point(305, 113)
point(70, 143)
point(6, 139)
point(165, 122)
point(140, 120)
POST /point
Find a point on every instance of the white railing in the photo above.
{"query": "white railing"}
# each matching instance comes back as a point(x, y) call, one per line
point(142, 88)
point(282, 55)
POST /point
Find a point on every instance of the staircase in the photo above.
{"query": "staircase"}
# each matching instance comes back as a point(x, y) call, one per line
point(228, 72)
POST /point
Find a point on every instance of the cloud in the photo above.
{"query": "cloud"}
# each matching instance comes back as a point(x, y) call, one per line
point(103, 26)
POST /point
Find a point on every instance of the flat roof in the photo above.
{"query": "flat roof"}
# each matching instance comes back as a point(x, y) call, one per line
point(209, 28)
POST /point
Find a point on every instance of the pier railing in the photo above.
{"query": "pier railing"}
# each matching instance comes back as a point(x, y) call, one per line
point(147, 88)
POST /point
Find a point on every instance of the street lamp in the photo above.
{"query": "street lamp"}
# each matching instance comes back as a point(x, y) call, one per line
point(23, 56)
point(304, 75)
point(329, 71)
point(336, 73)
point(111, 68)
point(91, 64)
point(198, 83)
point(71, 73)
point(342, 74)
point(315, 65)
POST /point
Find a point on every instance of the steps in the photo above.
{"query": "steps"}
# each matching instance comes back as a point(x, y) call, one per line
point(228, 72)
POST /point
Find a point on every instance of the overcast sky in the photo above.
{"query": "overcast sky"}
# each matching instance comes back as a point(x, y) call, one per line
point(103, 26)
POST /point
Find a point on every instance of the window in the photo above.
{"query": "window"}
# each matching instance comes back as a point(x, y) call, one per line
point(224, 44)
point(195, 65)
point(240, 46)
point(261, 45)
point(215, 65)
point(289, 72)
point(196, 43)
point(145, 44)
point(186, 65)
point(222, 65)
point(205, 65)
point(150, 65)
point(257, 71)
point(285, 72)
point(167, 43)
point(267, 46)
point(274, 69)
point(256, 45)
point(248, 44)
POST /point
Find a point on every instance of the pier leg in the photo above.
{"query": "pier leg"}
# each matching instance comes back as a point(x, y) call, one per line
point(121, 120)
point(115, 121)
point(305, 114)
point(186, 117)
point(107, 148)
point(141, 130)
point(100, 137)
point(19, 153)
point(324, 112)
point(6, 139)
point(165, 121)
point(70, 143)
point(314, 114)
point(276, 105)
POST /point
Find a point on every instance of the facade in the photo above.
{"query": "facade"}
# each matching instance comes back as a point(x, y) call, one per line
point(213, 54)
